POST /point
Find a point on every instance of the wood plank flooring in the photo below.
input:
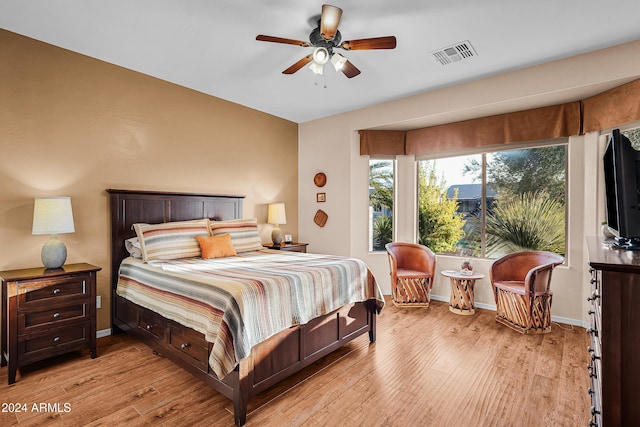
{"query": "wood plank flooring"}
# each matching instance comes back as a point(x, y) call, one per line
point(429, 367)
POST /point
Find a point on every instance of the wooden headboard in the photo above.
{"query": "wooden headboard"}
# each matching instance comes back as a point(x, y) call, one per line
point(153, 207)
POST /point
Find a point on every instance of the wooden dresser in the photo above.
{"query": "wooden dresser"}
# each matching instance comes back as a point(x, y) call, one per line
point(47, 312)
point(614, 316)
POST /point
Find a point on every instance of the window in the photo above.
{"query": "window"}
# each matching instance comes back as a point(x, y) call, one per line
point(634, 136)
point(381, 196)
point(493, 203)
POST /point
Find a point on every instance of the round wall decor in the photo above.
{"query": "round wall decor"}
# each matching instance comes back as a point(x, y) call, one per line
point(320, 179)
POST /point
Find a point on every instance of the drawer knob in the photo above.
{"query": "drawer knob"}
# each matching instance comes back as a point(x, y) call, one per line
point(149, 327)
point(183, 346)
point(56, 339)
point(593, 297)
point(56, 315)
point(56, 291)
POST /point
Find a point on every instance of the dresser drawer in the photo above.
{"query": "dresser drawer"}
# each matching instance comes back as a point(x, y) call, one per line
point(52, 317)
point(152, 323)
point(46, 292)
point(190, 343)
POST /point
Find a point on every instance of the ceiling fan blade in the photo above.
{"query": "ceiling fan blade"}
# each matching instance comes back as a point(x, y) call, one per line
point(349, 69)
point(329, 21)
point(388, 42)
point(273, 39)
point(301, 63)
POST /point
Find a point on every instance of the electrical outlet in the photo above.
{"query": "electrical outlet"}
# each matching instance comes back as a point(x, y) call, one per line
point(98, 301)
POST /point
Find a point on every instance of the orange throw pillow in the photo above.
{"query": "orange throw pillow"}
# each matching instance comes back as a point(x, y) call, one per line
point(216, 246)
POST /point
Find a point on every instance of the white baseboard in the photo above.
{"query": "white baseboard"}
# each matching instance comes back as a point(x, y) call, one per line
point(103, 333)
point(492, 307)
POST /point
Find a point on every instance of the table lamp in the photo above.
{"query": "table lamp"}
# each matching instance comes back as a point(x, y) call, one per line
point(53, 215)
point(276, 216)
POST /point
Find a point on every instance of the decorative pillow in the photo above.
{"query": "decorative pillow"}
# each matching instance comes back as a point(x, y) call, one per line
point(171, 240)
point(132, 246)
point(216, 246)
point(244, 233)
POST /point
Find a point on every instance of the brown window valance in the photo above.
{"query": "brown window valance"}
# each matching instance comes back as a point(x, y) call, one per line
point(529, 125)
point(612, 108)
point(382, 142)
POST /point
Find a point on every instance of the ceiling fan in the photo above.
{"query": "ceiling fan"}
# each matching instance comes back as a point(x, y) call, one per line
point(325, 38)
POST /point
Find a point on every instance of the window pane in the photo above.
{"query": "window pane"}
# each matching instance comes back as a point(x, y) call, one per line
point(634, 137)
point(449, 205)
point(528, 211)
point(518, 204)
point(380, 203)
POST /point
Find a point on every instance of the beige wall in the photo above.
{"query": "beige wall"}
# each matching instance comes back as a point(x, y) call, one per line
point(75, 126)
point(332, 145)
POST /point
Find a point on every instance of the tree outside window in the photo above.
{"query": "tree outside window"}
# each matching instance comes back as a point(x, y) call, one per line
point(505, 201)
point(381, 186)
point(634, 137)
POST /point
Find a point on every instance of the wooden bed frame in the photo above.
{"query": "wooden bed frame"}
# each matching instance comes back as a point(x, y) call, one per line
point(270, 361)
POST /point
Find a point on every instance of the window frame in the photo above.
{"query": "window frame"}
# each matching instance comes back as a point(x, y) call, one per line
point(483, 152)
point(370, 233)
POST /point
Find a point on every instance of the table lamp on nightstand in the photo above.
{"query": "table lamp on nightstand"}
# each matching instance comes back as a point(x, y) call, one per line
point(276, 216)
point(53, 215)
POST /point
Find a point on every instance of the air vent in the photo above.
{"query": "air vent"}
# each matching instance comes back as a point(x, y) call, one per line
point(455, 53)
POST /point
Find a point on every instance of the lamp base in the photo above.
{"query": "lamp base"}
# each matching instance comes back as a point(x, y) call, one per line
point(276, 235)
point(54, 253)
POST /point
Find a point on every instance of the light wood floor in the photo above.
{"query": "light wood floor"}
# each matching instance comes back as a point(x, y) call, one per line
point(429, 367)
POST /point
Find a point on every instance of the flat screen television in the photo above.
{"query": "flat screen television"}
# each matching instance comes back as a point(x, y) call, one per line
point(622, 190)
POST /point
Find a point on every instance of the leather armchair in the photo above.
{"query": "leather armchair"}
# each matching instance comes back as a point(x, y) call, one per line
point(521, 284)
point(412, 268)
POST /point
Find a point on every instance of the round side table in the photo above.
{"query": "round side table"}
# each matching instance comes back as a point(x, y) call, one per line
point(462, 291)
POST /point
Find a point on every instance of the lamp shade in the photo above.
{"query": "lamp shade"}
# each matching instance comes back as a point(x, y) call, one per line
point(276, 214)
point(320, 55)
point(52, 215)
point(338, 61)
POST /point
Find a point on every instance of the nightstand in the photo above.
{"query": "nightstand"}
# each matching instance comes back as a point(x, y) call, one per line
point(292, 247)
point(47, 312)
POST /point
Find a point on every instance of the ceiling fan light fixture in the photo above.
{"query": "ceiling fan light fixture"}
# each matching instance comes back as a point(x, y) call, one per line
point(316, 68)
point(320, 55)
point(338, 61)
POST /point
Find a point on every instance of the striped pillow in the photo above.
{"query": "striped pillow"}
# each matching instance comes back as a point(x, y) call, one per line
point(171, 240)
point(244, 233)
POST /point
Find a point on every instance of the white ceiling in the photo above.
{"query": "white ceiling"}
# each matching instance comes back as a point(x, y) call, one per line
point(210, 46)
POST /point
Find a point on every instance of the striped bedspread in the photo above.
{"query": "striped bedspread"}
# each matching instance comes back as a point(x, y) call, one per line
point(238, 302)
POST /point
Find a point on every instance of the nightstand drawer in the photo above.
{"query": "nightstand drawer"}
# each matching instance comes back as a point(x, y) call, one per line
point(52, 317)
point(53, 341)
point(43, 291)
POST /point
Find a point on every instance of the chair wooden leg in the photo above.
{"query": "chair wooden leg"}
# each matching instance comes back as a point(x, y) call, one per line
point(511, 311)
point(412, 292)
